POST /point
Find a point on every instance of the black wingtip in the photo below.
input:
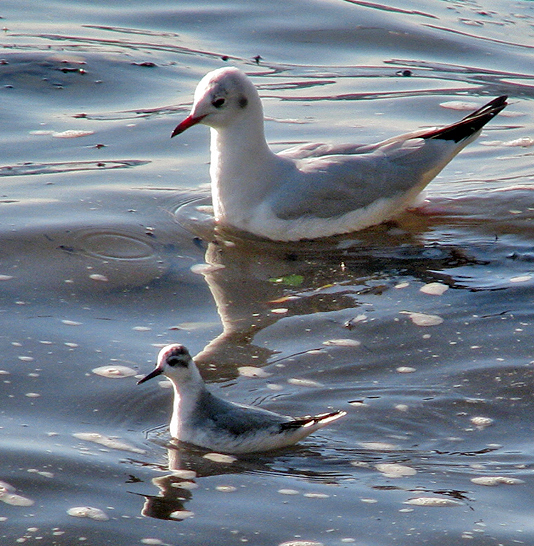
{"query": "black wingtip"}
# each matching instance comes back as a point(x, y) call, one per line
point(309, 420)
point(492, 107)
point(471, 124)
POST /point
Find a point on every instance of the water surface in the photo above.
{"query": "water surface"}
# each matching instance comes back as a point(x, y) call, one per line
point(420, 329)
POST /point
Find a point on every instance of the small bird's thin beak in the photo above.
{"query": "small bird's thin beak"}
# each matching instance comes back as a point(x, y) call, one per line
point(154, 373)
point(189, 121)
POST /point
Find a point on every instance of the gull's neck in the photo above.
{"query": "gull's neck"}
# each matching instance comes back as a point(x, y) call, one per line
point(241, 162)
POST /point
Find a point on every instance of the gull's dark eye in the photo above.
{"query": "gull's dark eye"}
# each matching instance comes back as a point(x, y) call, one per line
point(218, 103)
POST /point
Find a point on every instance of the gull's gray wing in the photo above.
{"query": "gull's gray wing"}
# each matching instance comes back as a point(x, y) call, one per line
point(319, 149)
point(338, 179)
point(333, 185)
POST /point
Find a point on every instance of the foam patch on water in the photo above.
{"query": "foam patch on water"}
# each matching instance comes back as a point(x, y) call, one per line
point(496, 480)
point(106, 441)
point(405, 369)
point(422, 319)
point(395, 470)
point(8, 496)
point(226, 488)
point(71, 322)
point(114, 372)
point(353, 321)
point(523, 142)
point(304, 382)
point(98, 277)
point(301, 543)
point(342, 342)
point(432, 502)
point(181, 514)
point(481, 422)
point(72, 133)
point(379, 446)
point(460, 105)
point(220, 458)
point(434, 288)
point(43, 473)
point(88, 512)
point(288, 492)
point(252, 371)
point(521, 278)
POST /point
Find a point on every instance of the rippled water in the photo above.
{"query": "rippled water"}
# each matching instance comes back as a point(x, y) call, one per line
point(421, 329)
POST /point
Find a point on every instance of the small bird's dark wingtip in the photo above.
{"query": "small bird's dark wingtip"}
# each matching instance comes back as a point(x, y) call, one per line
point(309, 420)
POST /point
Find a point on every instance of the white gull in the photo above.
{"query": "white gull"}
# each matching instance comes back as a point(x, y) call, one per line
point(205, 420)
point(314, 190)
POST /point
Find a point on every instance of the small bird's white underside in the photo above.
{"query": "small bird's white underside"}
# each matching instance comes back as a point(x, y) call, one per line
point(261, 439)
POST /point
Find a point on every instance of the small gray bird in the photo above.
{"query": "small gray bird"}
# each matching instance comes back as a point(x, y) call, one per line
point(206, 420)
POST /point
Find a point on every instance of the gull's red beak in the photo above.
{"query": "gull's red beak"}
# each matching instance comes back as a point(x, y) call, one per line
point(189, 121)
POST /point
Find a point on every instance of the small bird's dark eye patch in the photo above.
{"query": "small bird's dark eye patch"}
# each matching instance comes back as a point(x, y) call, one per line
point(243, 102)
point(176, 361)
point(218, 103)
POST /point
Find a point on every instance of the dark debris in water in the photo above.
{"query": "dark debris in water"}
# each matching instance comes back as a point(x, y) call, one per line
point(37, 70)
point(129, 114)
point(145, 64)
point(425, 262)
point(522, 256)
point(453, 494)
point(25, 169)
point(482, 451)
point(70, 69)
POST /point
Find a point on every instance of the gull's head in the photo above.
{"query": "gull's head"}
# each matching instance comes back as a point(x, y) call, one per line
point(222, 97)
point(175, 362)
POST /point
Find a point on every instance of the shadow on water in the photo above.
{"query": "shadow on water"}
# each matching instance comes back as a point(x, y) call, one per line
point(255, 282)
